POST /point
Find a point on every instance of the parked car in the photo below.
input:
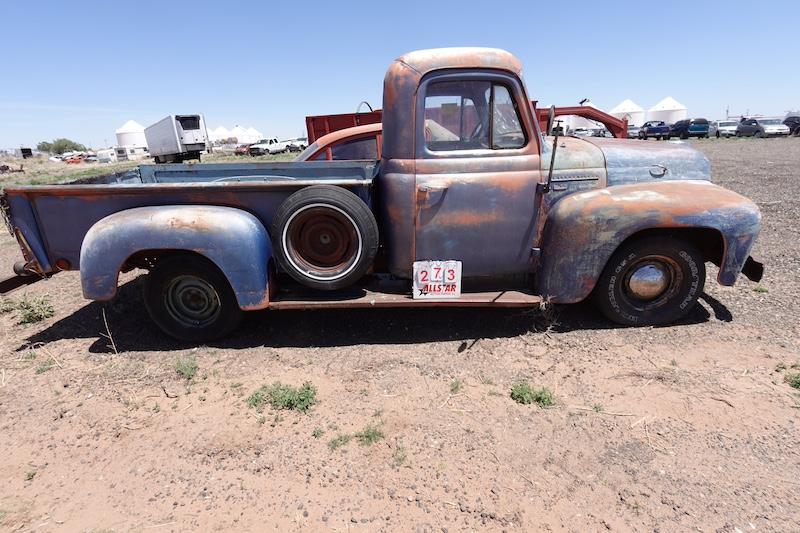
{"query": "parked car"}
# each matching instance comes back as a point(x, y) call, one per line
point(696, 127)
point(242, 149)
point(296, 144)
point(633, 132)
point(654, 128)
point(457, 198)
point(581, 132)
point(793, 123)
point(761, 127)
point(267, 147)
point(723, 128)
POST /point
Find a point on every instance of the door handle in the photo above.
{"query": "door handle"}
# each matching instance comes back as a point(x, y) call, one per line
point(658, 171)
point(426, 189)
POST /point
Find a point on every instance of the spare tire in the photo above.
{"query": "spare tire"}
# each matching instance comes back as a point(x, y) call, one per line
point(325, 237)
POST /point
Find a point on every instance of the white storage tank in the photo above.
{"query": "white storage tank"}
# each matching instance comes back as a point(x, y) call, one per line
point(669, 110)
point(131, 134)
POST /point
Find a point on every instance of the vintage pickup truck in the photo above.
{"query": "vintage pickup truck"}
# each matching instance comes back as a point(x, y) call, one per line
point(469, 205)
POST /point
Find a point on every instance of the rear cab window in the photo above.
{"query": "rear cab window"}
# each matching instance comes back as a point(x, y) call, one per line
point(364, 148)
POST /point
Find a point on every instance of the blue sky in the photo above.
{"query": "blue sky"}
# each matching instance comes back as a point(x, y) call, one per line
point(81, 69)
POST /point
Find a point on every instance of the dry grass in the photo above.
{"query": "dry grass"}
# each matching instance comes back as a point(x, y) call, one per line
point(42, 171)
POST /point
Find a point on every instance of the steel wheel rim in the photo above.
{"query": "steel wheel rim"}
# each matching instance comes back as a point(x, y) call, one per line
point(322, 241)
point(192, 301)
point(641, 291)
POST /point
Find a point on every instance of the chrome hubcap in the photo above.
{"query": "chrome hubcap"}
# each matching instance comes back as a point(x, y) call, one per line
point(192, 301)
point(648, 281)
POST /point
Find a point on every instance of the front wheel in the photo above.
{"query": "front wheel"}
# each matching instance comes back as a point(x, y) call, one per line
point(650, 281)
point(190, 299)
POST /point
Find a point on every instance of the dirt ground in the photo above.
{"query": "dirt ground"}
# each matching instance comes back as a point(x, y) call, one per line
point(690, 427)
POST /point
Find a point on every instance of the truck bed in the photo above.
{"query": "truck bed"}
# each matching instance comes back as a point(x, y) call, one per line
point(54, 219)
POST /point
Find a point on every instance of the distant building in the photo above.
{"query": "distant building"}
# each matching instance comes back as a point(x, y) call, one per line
point(630, 111)
point(131, 134)
point(242, 135)
point(669, 110)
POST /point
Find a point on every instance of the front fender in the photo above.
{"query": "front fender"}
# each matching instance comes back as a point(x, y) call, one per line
point(234, 240)
point(583, 230)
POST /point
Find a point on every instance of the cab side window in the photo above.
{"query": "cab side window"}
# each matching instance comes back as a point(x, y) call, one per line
point(471, 115)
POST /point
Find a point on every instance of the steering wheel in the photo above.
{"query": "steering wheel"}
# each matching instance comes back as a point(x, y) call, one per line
point(551, 117)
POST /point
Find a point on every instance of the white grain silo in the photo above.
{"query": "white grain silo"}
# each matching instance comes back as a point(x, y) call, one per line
point(630, 111)
point(131, 134)
point(669, 110)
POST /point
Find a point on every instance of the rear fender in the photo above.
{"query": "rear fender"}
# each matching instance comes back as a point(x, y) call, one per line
point(583, 230)
point(234, 240)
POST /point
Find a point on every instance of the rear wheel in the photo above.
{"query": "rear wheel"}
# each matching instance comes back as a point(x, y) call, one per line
point(326, 237)
point(649, 281)
point(190, 299)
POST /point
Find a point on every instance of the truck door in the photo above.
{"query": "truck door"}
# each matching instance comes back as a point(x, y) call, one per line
point(477, 169)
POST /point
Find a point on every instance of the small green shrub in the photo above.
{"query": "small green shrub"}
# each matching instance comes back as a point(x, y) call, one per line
point(34, 309)
point(6, 306)
point(280, 396)
point(186, 367)
point(369, 435)
point(338, 441)
point(317, 433)
point(760, 288)
point(793, 380)
point(455, 386)
point(45, 366)
point(30, 475)
point(399, 455)
point(523, 393)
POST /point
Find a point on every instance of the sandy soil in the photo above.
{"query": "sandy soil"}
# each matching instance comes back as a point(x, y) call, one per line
point(683, 428)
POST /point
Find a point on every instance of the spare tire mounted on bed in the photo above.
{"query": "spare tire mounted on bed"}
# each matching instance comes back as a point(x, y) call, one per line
point(325, 237)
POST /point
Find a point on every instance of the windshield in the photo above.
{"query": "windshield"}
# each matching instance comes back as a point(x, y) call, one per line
point(727, 123)
point(769, 122)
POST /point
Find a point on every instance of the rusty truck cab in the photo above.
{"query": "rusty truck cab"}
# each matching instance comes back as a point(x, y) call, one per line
point(461, 163)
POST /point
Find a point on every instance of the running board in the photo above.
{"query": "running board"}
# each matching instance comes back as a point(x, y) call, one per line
point(363, 298)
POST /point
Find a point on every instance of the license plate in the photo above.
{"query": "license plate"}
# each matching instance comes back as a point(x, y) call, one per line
point(436, 280)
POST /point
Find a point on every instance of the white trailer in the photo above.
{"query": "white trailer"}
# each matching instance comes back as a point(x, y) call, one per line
point(177, 138)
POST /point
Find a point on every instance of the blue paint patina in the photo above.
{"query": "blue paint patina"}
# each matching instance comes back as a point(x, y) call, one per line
point(234, 240)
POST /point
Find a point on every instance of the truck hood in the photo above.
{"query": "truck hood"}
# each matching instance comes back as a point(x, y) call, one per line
point(634, 161)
